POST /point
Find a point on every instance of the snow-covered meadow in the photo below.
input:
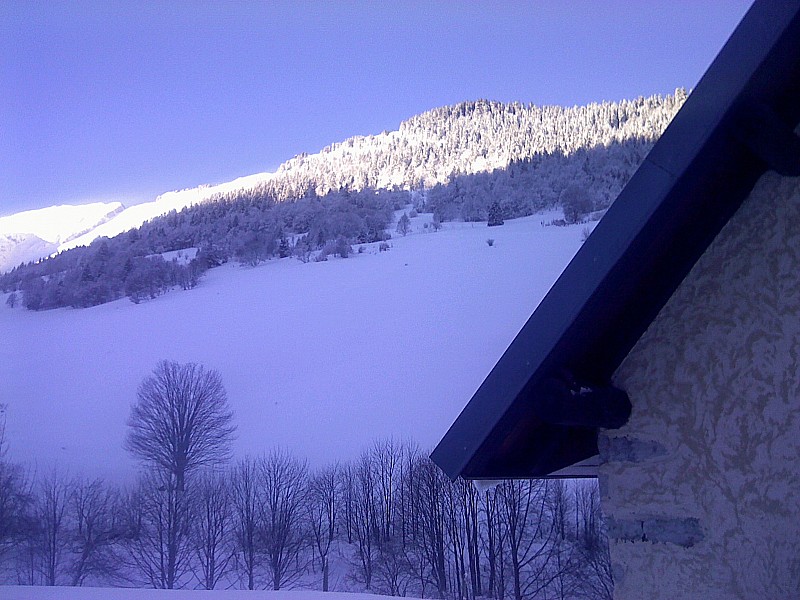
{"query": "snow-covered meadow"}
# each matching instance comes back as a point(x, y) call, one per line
point(319, 358)
point(88, 593)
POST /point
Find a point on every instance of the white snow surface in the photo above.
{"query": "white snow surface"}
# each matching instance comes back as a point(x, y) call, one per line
point(16, 248)
point(182, 257)
point(34, 234)
point(89, 593)
point(59, 223)
point(319, 358)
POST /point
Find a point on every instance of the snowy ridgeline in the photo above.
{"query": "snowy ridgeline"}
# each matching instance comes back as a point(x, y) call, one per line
point(469, 138)
point(524, 156)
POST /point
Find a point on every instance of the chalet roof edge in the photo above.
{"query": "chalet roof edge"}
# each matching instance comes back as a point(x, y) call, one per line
point(667, 196)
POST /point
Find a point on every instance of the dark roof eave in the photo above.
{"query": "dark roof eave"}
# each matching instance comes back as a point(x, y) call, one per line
point(686, 189)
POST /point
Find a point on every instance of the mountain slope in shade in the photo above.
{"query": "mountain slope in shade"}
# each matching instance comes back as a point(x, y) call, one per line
point(320, 358)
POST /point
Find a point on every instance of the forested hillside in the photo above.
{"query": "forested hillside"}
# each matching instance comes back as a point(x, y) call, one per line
point(469, 162)
point(473, 137)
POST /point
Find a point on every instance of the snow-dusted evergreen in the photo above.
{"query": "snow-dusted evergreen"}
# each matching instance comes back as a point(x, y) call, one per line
point(472, 137)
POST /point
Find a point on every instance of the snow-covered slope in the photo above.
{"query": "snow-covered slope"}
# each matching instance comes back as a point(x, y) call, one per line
point(60, 223)
point(88, 593)
point(321, 358)
point(134, 216)
point(16, 248)
point(33, 234)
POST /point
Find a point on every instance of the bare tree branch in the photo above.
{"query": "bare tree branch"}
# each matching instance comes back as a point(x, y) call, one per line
point(181, 420)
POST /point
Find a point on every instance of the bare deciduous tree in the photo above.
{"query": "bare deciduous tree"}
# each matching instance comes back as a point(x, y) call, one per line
point(52, 535)
point(385, 457)
point(493, 543)
point(594, 567)
point(530, 529)
point(158, 523)
point(211, 535)
point(281, 502)
point(563, 562)
point(245, 484)
point(181, 420)
point(365, 520)
point(431, 483)
point(15, 496)
point(180, 423)
point(97, 526)
point(323, 505)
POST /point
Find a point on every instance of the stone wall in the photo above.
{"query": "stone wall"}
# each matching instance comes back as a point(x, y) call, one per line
point(701, 488)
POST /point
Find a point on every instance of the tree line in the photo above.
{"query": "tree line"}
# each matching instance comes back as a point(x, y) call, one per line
point(591, 177)
point(248, 226)
point(251, 226)
point(386, 522)
point(471, 137)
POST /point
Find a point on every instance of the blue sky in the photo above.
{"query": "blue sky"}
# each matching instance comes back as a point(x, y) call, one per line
point(122, 100)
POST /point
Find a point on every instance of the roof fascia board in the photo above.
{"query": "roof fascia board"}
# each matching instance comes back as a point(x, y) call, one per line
point(713, 102)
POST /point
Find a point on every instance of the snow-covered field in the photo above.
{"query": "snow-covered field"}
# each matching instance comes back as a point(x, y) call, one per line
point(80, 593)
point(320, 358)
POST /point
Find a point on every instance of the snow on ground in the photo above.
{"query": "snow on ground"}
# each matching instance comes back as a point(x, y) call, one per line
point(33, 234)
point(182, 257)
point(59, 223)
point(16, 248)
point(320, 358)
point(87, 593)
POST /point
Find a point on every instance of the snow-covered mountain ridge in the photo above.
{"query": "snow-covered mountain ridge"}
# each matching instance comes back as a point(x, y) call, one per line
point(59, 224)
point(474, 137)
point(59, 228)
point(33, 234)
point(427, 149)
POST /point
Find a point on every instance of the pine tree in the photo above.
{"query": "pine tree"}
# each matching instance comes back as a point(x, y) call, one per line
point(575, 203)
point(283, 247)
point(404, 225)
point(495, 214)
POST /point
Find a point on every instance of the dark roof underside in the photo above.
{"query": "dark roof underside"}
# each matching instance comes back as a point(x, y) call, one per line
point(688, 187)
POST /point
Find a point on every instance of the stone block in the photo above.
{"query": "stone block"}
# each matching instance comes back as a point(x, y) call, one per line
point(685, 532)
point(628, 449)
